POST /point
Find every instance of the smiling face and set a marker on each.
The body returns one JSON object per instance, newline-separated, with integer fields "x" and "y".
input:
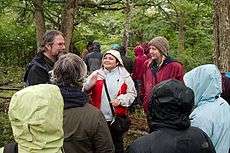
{"x": 109, "y": 62}
{"x": 56, "y": 48}
{"x": 155, "y": 54}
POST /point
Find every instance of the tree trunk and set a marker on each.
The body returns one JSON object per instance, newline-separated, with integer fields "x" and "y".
{"x": 39, "y": 20}
{"x": 68, "y": 21}
{"x": 222, "y": 34}
{"x": 127, "y": 24}
{"x": 181, "y": 42}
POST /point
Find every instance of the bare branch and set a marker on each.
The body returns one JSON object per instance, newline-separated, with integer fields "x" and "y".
{"x": 12, "y": 88}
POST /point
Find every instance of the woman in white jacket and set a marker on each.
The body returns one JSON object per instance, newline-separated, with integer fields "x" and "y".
{"x": 120, "y": 87}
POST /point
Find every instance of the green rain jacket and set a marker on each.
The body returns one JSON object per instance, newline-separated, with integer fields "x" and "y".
{"x": 36, "y": 116}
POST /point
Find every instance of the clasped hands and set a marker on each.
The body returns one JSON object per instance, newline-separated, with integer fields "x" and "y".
{"x": 115, "y": 102}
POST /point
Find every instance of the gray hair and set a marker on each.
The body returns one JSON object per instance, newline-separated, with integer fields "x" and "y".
{"x": 48, "y": 38}
{"x": 69, "y": 69}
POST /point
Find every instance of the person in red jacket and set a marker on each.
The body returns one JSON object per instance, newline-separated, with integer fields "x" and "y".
{"x": 226, "y": 86}
{"x": 138, "y": 71}
{"x": 159, "y": 67}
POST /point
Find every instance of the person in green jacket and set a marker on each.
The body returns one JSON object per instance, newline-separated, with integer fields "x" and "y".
{"x": 85, "y": 128}
{"x": 36, "y": 117}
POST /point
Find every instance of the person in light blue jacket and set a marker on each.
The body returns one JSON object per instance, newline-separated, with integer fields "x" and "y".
{"x": 211, "y": 113}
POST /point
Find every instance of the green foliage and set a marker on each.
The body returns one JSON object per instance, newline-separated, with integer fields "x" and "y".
{"x": 17, "y": 42}
{"x": 163, "y": 19}
{"x": 194, "y": 58}
{"x": 13, "y": 76}
{"x": 5, "y": 129}
{"x": 102, "y": 26}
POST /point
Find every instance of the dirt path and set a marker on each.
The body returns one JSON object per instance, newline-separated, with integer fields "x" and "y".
{"x": 138, "y": 126}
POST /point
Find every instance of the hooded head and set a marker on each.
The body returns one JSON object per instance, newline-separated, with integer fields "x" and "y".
{"x": 139, "y": 51}
{"x": 89, "y": 46}
{"x": 119, "y": 48}
{"x": 205, "y": 81}
{"x": 96, "y": 47}
{"x": 161, "y": 43}
{"x": 170, "y": 104}
{"x": 36, "y": 116}
{"x": 115, "y": 47}
{"x": 116, "y": 54}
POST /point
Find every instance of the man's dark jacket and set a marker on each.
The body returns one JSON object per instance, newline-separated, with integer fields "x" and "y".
{"x": 128, "y": 63}
{"x": 93, "y": 61}
{"x": 168, "y": 140}
{"x": 37, "y": 71}
{"x": 170, "y": 105}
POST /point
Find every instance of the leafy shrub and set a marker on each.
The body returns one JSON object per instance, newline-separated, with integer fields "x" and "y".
{"x": 18, "y": 43}
{"x": 5, "y": 130}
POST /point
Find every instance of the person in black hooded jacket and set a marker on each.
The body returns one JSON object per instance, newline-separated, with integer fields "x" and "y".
{"x": 85, "y": 128}
{"x": 93, "y": 59}
{"x": 170, "y": 104}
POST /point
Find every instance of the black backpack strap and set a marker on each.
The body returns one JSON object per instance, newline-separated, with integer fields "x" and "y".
{"x": 108, "y": 97}
{"x": 11, "y": 148}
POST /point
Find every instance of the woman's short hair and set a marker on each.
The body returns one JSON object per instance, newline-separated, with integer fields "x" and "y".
{"x": 69, "y": 69}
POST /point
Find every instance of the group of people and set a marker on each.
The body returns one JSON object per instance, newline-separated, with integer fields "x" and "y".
{"x": 64, "y": 110}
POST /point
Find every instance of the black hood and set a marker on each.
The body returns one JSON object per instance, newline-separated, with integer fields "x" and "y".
{"x": 73, "y": 96}
{"x": 171, "y": 103}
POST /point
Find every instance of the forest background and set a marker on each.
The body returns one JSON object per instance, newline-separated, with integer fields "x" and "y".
{"x": 197, "y": 30}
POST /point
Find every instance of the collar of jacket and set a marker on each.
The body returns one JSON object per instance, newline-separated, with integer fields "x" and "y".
{"x": 73, "y": 96}
{"x": 154, "y": 66}
{"x": 46, "y": 59}
{"x": 123, "y": 73}
{"x": 176, "y": 124}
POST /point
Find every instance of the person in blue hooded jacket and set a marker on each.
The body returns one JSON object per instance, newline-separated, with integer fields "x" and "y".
{"x": 211, "y": 113}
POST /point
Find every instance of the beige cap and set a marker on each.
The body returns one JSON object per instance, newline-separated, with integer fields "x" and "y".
{"x": 116, "y": 54}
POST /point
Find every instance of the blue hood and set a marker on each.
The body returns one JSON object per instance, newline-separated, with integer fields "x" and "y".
{"x": 205, "y": 81}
